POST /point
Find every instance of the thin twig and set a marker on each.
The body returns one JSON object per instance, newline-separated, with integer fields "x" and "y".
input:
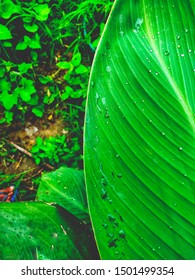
{"x": 28, "y": 153}
{"x": 21, "y": 149}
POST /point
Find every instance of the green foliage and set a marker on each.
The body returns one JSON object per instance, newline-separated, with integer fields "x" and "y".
{"x": 65, "y": 187}
{"x": 56, "y": 151}
{"x": 76, "y": 77}
{"x": 46, "y": 231}
{"x": 31, "y": 33}
{"x": 139, "y": 149}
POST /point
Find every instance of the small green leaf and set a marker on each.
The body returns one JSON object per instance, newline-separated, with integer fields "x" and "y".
{"x": 8, "y": 8}
{"x": 24, "y": 67}
{"x": 31, "y": 27}
{"x": 21, "y": 46}
{"x": 35, "y": 42}
{"x": 5, "y": 85}
{"x": 9, "y": 116}
{"x": 76, "y": 60}
{"x": 7, "y": 44}
{"x": 81, "y": 69}
{"x": 42, "y": 12}
{"x": 38, "y": 111}
{"x": 4, "y": 33}
{"x": 64, "y": 64}
{"x": 2, "y": 72}
{"x": 8, "y": 100}
{"x": 45, "y": 79}
{"x": 26, "y": 90}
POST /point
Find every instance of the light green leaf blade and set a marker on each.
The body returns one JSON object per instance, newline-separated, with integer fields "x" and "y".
{"x": 65, "y": 187}
{"x": 5, "y": 34}
{"x": 36, "y": 230}
{"x": 140, "y": 133}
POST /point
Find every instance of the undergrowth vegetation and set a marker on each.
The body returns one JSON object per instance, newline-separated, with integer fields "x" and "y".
{"x": 46, "y": 51}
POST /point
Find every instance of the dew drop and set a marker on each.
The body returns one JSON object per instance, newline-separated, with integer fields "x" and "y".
{"x": 153, "y": 249}
{"x": 182, "y": 55}
{"x": 150, "y": 70}
{"x": 178, "y": 46}
{"x": 138, "y": 24}
{"x": 151, "y": 50}
{"x": 166, "y": 53}
{"x": 150, "y": 121}
{"x": 117, "y": 155}
{"x": 156, "y": 73}
{"x": 119, "y": 175}
{"x": 103, "y": 194}
{"x": 111, "y": 218}
{"x": 190, "y": 51}
{"x": 186, "y": 30}
{"x": 108, "y": 69}
{"x": 121, "y": 32}
{"x": 163, "y": 133}
{"x": 106, "y": 115}
{"x": 105, "y": 225}
{"x": 170, "y": 227}
{"x": 126, "y": 83}
{"x": 158, "y": 33}
{"x": 178, "y": 37}
{"x": 122, "y": 234}
{"x": 180, "y": 148}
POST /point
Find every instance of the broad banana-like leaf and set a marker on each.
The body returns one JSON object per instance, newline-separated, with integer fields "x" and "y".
{"x": 36, "y": 230}
{"x": 140, "y": 132}
{"x": 65, "y": 187}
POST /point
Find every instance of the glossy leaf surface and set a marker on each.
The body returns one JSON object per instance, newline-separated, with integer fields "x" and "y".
{"x": 65, "y": 187}
{"x": 140, "y": 132}
{"x": 36, "y": 230}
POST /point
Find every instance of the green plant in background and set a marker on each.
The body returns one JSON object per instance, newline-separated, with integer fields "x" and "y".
{"x": 44, "y": 27}
{"x": 44, "y": 230}
{"x": 56, "y": 151}
{"x": 76, "y": 77}
{"x": 139, "y": 149}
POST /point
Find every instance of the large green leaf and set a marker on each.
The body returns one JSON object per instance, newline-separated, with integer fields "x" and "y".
{"x": 65, "y": 187}
{"x": 36, "y": 230}
{"x": 140, "y": 132}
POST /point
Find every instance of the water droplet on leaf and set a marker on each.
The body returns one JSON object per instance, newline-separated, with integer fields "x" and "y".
{"x": 108, "y": 69}
{"x": 122, "y": 234}
{"x": 166, "y": 53}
